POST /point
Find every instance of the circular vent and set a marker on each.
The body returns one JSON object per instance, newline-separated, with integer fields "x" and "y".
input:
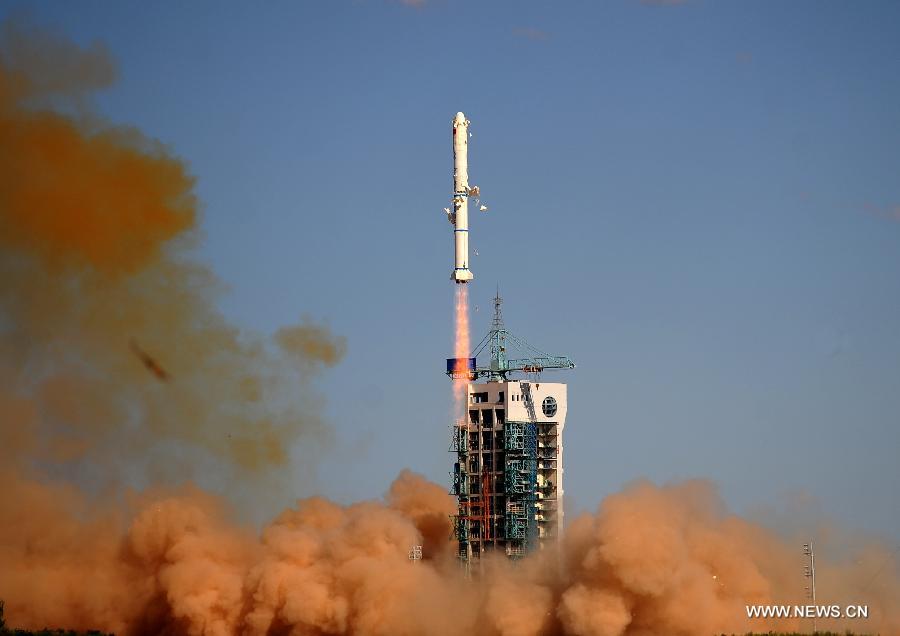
{"x": 548, "y": 406}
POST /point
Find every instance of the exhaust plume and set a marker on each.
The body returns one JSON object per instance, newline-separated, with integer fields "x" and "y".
{"x": 461, "y": 350}
{"x": 651, "y": 560}
{"x": 95, "y": 226}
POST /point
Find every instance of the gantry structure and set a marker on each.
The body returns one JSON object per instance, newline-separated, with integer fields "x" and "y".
{"x": 508, "y": 470}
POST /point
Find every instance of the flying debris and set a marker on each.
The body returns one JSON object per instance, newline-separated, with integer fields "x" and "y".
{"x": 149, "y": 362}
{"x": 483, "y": 208}
{"x": 476, "y": 252}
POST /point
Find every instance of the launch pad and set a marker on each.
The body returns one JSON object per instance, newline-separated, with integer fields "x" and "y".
{"x": 508, "y": 472}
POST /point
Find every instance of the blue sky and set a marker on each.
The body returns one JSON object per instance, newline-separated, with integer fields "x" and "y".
{"x": 698, "y": 202}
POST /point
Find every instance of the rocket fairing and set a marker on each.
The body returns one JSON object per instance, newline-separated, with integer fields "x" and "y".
{"x": 459, "y": 217}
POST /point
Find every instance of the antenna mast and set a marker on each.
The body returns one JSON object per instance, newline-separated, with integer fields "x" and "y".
{"x": 498, "y": 340}
{"x": 809, "y": 571}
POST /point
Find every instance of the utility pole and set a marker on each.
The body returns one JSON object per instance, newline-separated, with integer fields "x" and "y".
{"x": 809, "y": 571}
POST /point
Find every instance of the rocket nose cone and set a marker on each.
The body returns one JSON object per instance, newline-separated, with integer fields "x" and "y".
{"x": 460, "y": 118}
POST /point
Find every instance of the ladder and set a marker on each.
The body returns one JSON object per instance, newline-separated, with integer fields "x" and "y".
{"x": 529, "y": 403}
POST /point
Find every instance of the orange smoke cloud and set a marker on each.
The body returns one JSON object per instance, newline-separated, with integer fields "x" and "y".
{"x": 652, "y": 560}
{"x": 106, "y": 198}
{"x": 97, "y": 200}
{"x": 95, "y": 222}
{"x": 311, "y": 343}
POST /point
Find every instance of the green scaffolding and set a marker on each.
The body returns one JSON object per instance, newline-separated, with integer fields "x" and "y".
{"x": 520, "y": 485}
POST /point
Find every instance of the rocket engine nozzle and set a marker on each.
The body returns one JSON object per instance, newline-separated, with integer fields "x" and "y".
{"x": 461, "y": 276}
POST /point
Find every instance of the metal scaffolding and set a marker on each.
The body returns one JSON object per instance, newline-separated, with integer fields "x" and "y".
{"x": 505, "y": 471}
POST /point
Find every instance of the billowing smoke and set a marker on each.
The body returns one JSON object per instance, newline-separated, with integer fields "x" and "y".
{"x": 650, "y": 561}
{"x": 120, "y": 384}
{"x": 109, "y": 333}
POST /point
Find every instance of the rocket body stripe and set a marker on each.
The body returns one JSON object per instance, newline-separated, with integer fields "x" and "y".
{"x": 460, "y": 137}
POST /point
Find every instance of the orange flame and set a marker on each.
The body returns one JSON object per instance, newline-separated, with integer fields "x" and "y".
{"x": 461, "y": 351}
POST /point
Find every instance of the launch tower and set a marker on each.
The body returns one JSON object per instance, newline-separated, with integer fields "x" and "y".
{"x": 508, "y": 474}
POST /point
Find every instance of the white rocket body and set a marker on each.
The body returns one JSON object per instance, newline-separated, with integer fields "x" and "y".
{"x": 460, "y": 215}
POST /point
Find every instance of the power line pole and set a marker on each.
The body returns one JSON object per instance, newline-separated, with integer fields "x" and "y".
{"x": 809, "y": 571}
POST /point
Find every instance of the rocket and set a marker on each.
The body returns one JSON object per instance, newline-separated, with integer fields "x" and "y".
{"x": 459, "y": 217}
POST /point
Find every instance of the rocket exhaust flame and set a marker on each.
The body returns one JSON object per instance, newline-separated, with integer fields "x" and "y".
{"x": 461, "y": 349}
